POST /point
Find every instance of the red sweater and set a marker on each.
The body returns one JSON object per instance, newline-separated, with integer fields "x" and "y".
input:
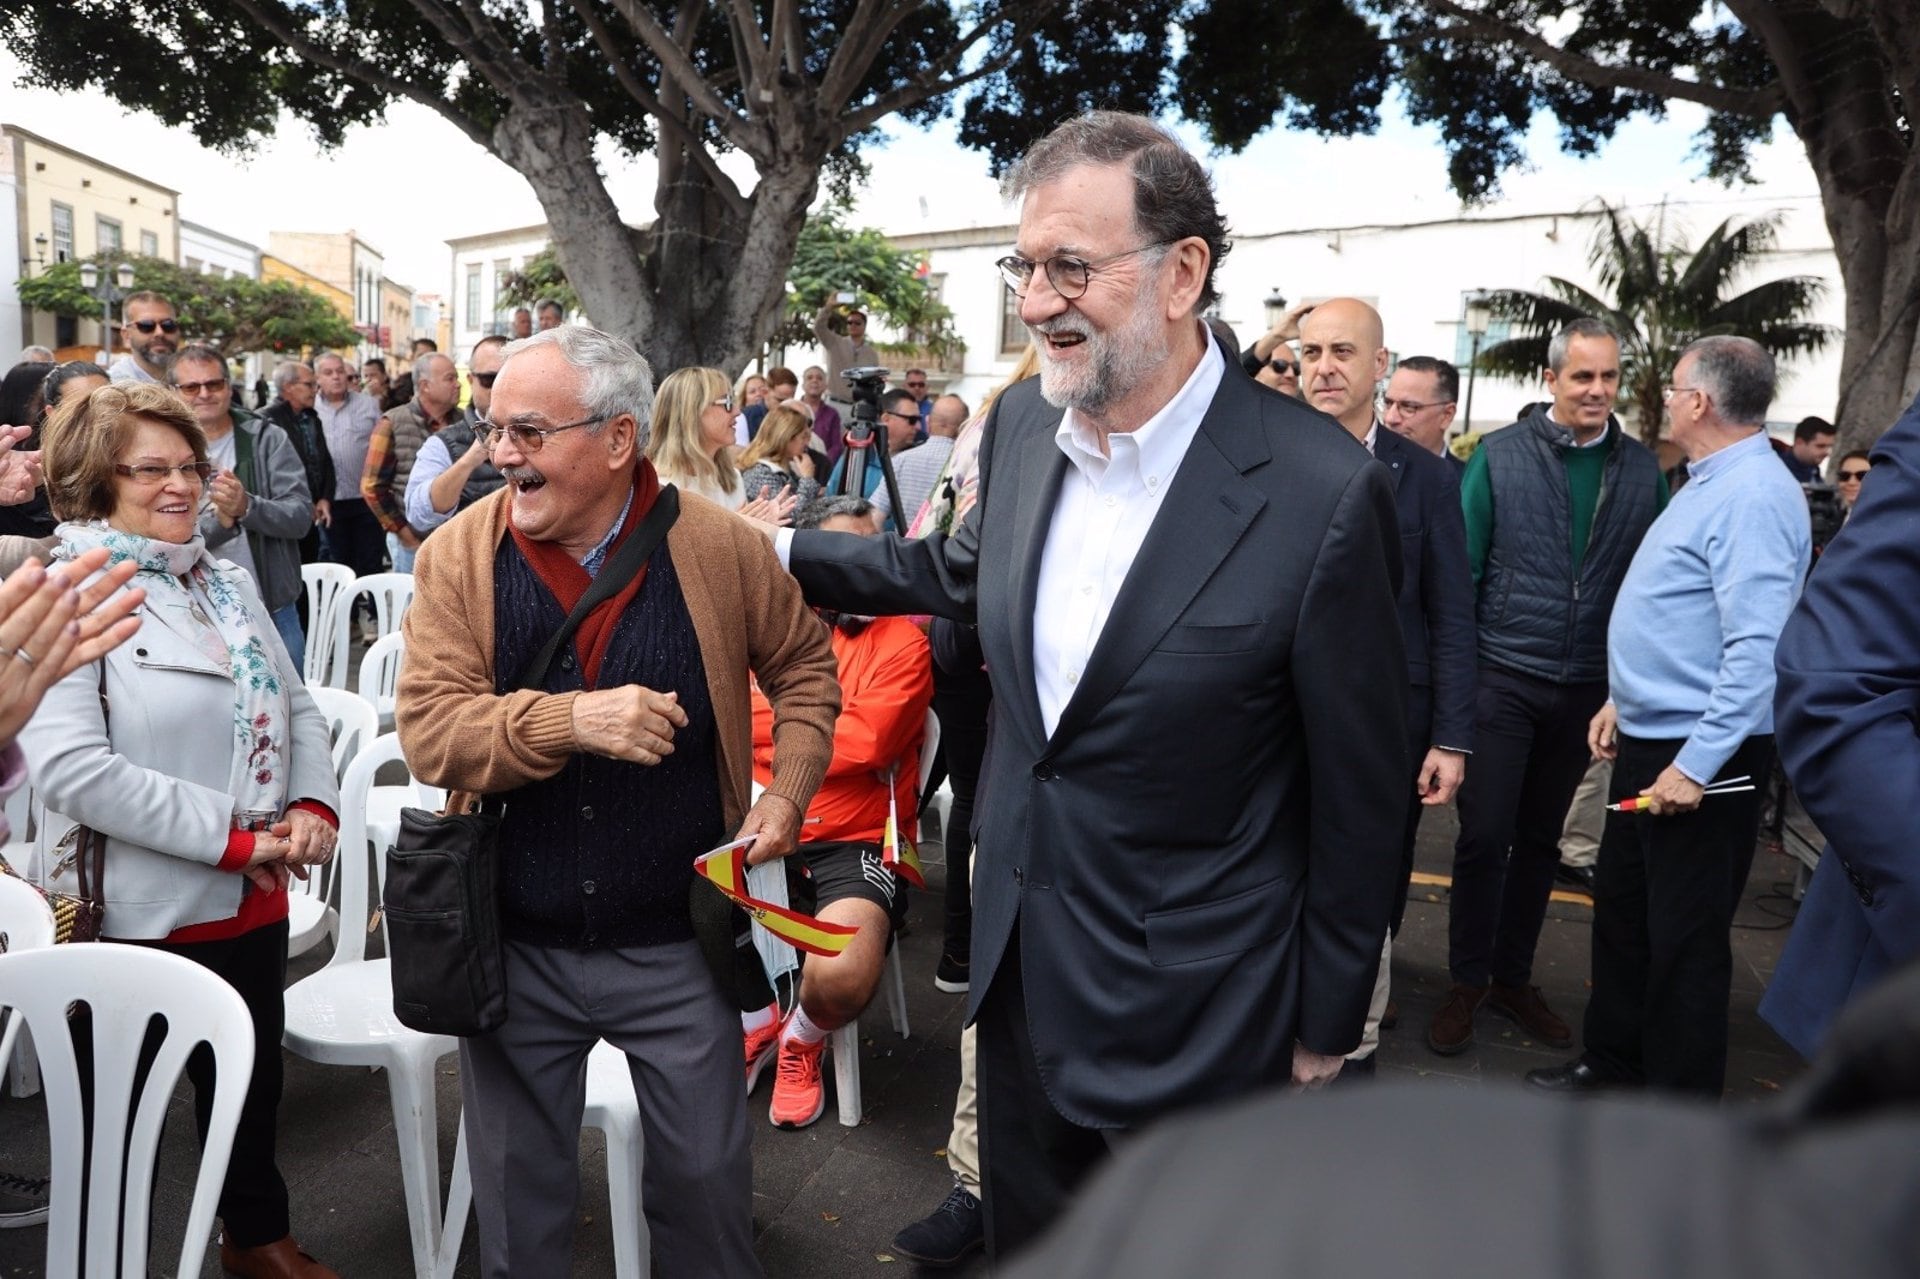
{"x": 257, "y": 909}
{"x": 886, "y": 686}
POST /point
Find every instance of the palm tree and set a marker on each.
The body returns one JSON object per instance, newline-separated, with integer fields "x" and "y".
{"x": 1664, "y": 298}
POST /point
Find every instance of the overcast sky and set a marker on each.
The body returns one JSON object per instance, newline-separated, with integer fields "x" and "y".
{"x": 378, "y": 184}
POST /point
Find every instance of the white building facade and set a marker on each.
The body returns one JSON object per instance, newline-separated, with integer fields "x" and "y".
{"x": 218, "y": 254}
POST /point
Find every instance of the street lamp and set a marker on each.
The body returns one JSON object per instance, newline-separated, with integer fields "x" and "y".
{"x": 1479, "y": 315}
{"x": 109, "y": 292}
{"x": 1276, "y": 309}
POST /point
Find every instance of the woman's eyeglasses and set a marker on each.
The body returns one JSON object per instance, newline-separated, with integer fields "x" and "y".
{"x": 152, "y": 475}
{"x": 1849, "y": 476}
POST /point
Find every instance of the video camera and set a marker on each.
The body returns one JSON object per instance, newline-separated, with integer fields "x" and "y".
{"x": 1825, "y": 512}
{"x": 866, "y": 443}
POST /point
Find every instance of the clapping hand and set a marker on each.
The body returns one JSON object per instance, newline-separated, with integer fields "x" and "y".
{"x": 228, "y": 497}
{"x": 49, "y": 627}
{"x": 771, "y": 510}
{"x": 20, "y": 475}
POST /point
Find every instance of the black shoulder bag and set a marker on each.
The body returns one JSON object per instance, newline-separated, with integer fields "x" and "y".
{"x": 439, "y": 899}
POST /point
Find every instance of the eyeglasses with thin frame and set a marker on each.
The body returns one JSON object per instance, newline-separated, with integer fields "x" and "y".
{"x": 1409, "y": 406}
{"x": 1069, "y": 274}
{"x": 724, "y": 402}
{"x": 153, "y": 475}
{"x": 1672, "y": 391}
{"x": 191, "y": 389}
{"x": 148, "y": 326}
{"x": 526, "y": 437}
{"x": 1847, "y": 476}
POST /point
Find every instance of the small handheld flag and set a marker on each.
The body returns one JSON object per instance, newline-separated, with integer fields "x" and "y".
{"x": 897, "y": 853}
{"x": 1641, "y": 803}
{"x": 726, "y": 869}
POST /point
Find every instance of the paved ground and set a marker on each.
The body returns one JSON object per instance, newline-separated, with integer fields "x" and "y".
{"x": 828, "y": 1200}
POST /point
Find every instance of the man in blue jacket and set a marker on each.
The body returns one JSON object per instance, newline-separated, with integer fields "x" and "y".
{"x": 1849, "y": 692}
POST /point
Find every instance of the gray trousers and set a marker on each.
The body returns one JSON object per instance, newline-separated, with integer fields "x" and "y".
{"x": 524, "y": 1087}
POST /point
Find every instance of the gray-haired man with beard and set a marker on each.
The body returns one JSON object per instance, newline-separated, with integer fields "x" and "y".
{"x": 1163, "y": 552}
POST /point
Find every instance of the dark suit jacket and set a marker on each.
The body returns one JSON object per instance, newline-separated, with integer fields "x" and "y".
{"x": 1845, "y": 712}
{"x": 1436, "y": 586}
{"x": 1200, "y": 859}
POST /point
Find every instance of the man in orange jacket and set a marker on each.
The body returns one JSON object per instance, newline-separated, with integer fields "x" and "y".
{"x": 886, "y": 686}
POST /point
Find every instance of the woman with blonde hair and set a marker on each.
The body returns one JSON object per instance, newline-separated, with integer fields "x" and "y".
{"x": 691, "y": 443}
{"x": 777, "y": 462}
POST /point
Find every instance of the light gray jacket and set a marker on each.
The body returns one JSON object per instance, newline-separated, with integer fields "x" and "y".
{"x": 152, "y": 775}
{"x": 279, "y": 514}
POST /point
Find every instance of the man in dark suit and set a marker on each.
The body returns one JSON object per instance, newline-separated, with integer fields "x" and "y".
{"x": 1196, "y": 777}
{"x": 1343, "y": 356}
{"x": 1420, "y": 402}
{"x": 1849, "y": 681}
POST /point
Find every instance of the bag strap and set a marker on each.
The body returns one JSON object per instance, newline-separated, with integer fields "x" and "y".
{"x": 88, "y": 842}
{"x": 610, "y": 581}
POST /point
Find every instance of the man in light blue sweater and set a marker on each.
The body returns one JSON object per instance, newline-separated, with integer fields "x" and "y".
{"x": 1690, "y": 671}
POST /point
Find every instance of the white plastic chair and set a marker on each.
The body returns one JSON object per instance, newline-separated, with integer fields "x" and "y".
{"x": 21, "y": 1074}
{"x": 768, "y": 882}
{"x": 352, "y": 723}
{"x": 26, "y": 923}
{"x": 127, "y": 987}
{"x": 391, "y": 592}
{"x": 380, "y": 674}
{"x": 343, "y": 1014}
{"x": 328, "y": 594}
{"x": 615, "y": 1111}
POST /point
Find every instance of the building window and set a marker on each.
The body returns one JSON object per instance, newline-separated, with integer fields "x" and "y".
{"x": 195, "y": 264}
{"x": 473, "y": 295}
{"x": 149, "y": 244}
{"x": 1013, "y": 333}
{"x": 62, "y": 233}
{"x": 107, "y": 232}
{"x": 501, "y": 269}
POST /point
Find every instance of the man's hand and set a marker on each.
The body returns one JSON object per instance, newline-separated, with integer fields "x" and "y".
{"x": 1673, "y": 793}
{"x": 323, "y": 513}
{"x": 630, "y": 722}
{"x": 1440, "y": 776}
{"x": 229, "y": 499}
{"x": 1286, "y": 331}
{"x": 776, "y": 820}
{"x": 1603, "y": 734}
{"x": 1312, "y": 1069}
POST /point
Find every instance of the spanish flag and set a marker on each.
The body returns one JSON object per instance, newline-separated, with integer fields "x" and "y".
{"x": 896, "y": 853}
{"x": 726, "y": 869}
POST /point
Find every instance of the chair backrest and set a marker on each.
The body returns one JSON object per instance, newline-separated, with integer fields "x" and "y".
{"x": 356, "y": 854}
{"x": 328, "y": 587}
{"x": 391, "y": 592}
{"x": 135, "y": 995}
{"x": 380, "y": 673}
{"x": 26, "y": 923}
{"x": 352, "y": 723}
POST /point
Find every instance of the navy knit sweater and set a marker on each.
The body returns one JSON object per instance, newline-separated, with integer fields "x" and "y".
{"x": 601, "y": 854}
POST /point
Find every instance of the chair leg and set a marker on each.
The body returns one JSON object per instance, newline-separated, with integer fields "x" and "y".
{"x": 453, "y": 1228}
{"x": 897, "y": 993}
{"x": 415, "y": 1124}
{"x": 846, "y": 1072}
{"x": 632, "y": 1246}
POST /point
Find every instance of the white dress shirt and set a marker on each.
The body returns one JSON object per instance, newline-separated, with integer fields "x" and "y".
{"x": 1106, "y": 505}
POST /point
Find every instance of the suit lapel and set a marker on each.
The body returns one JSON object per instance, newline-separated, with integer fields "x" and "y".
{"x": 1207, "y": 510}
{"x": 1041, "y": 468}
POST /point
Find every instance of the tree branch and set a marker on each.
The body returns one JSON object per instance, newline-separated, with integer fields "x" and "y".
{"x": 751, "y": 41}
{"x": 860, "y": 42}
{"x": 556, "y": 53}
{"x": 1762, "y": 103}
{"x": 273, "y": 19}
{"x": 1027, "y": 19}
{"x": 675, "y": 63}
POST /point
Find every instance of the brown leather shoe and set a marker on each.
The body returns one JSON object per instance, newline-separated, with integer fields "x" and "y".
{"x": 1452, "y": 1030}
{"x": 1391, "y": 1016}
{"x": 1523, "y": 1004}
{"x": 279, "y": 1260}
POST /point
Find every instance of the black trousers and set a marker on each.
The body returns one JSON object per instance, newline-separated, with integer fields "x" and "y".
{"x": 1419, "y": 742}
{"x": 355, "y": 538}
{"x": 961, "y": 702}
{"x": 1664, "y": 893}
{"x": 253, "y": 1199}
{"x": 1032, "y": 1159}
{"x": 1529, "y": 754}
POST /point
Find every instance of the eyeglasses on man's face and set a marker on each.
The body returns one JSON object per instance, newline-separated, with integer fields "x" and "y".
{"x": 153, "y": 475}
{"x": 528, "y": 437}
{"x": 1409, "y": 407}
{"x": 163, "y": 326}
{"x": 1285, "y": 366}
{"x": 209, "y": 387}
{"x": 1069, "y": 274}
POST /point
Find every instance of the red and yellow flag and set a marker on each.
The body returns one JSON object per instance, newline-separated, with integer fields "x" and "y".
{"x": 726, "y": 869}
{"x": 896, "y": 852}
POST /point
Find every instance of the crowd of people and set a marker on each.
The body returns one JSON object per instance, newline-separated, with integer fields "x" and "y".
{"x": 1274, "y": 557}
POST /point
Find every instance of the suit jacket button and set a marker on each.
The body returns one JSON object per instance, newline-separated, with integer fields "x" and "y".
{"x": 1044, "y": 772}
{"x": 139, "y": 652}
{"x": 587, "y": 888}
{"x": 566, "y": 663}
{"x": 1019, "y": 876}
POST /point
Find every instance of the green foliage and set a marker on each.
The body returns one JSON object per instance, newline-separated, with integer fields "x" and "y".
{"x": 832, "y": 257}
{"x": 1663, "y": 296}
{"x": 233, "y": 313}
{"x": 542, "y": 277}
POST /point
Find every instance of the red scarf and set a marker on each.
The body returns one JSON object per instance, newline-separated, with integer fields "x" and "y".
{"x": 563, "y": 576}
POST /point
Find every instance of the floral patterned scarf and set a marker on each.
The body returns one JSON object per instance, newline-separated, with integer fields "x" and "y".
{"x": 197, "y": 598}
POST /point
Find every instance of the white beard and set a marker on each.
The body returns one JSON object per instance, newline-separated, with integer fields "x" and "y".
{"x": 1113, "y": 361}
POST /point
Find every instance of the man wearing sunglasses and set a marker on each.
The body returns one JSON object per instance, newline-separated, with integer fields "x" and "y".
{"x": 452, "y": 472}
{"x": 153, "y": 335}
{"x": 1184, "y": 585}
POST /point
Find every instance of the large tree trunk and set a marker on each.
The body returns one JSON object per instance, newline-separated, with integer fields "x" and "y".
{"x": 1837, "y": 71}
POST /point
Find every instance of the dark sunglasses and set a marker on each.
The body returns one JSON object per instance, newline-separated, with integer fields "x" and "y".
{"x": 1285, "y": 366}
{"x": 165, "y": 326}
{"x": 1854, "y": 475}
{"x": 485, "y": 380}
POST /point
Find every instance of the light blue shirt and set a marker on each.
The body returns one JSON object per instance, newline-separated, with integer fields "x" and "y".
{"x": 429, "y": 464}
{"x": 1690, "y": 644}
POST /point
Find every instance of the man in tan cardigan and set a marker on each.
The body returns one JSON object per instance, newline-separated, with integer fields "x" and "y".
{"x": 631, "y": 758}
